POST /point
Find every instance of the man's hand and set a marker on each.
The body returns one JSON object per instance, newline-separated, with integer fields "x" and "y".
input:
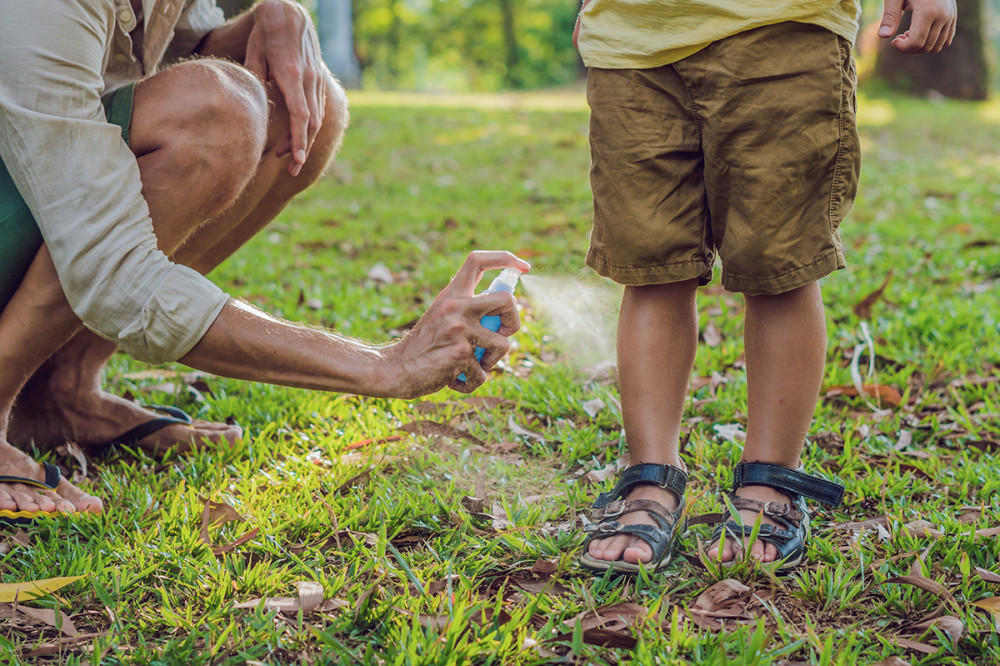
{"x": 441, "y": 345}
{"x": 932, "y": 26}
{"x": 283, "y": 49}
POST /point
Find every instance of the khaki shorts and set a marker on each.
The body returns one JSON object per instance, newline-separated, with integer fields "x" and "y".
{"x": 748, "y": 148}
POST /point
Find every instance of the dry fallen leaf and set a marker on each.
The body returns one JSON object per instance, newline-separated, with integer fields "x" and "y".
{"x": 593, "y": 407}
{"x": 992, "y": 605}
{"x": 886, "y": 394}
{"x": 33, "y": 588}
{"x": 523, "y": 432}
{"x": 987, "y": 575}
{"x": 863, "y": 309}
{"x": 893, "y": 661}
{"x": 309, "y": 601}
{"x": 48, "y": 616}
{"x": 949, "y": 624}
{"x": 433, "y": 428}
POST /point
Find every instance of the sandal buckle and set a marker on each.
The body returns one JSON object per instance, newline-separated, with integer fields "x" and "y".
{"x": 776, "y": 509}
{"x": 613, "y": 526}
{"x": 614, "y": 509}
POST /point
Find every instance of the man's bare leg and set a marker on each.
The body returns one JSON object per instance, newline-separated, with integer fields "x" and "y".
{"x": 64, "y": 399}
{"x": 785, "y": 341}
{"x": 657, "y": 341}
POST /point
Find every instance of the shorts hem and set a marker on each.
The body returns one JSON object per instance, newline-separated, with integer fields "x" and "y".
{"x": 787, "y": 281}
{"x": 640, "y": 276}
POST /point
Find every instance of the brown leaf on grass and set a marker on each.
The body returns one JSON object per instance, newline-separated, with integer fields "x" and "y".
{"x": 72, "y": 450}
{"x": 885, "y": 394}
{"x": 992, "y": 606}
{"x": 429, "y": 428}
{"x": 923, "y": 528}
{"x": 356, "y": 480}
{"x": 216, "y": 513}
{"x": 926, "y": 584}
{"x": 949, "y": 624}
{"x": 593, "y": 407}
{"x": 233, "y": 545}
{"x": 863, "y": 308}
{"x": 22, "y": 538}
{"x": 522, "y": 431}
{"x": 985, "y": 445}
{"x": 723, "y": 601}
{"x": 711, "y": 335}
{"x": 488, "y": 403}
{"x": 336, "y": 540}
{"x": 916, "y": 646}
{"x": 856, "y": 526}
{"x": 598, "y": 476}
{"x": 970, "y": 514}
{"x": 48, "y": 616}
{"x": 607, "y": 626}
{"x": 435, "y": 587}
{"x": 987, "y": 576}
{"x": 987, "y": 532}
{"x": 60, "y": 646}
{"x": 893, "y": 661}
{"x": 829, "y": 441}
{"x": 309, "y": 601}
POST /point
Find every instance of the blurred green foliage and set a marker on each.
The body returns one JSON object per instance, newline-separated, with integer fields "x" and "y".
{"x": 478, "y": 45}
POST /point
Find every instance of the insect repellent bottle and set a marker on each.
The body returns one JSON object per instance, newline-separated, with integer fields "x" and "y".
{"x": 506, "y": 281}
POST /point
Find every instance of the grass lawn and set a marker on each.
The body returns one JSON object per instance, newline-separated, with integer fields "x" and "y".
{"x": 445, "y": 530}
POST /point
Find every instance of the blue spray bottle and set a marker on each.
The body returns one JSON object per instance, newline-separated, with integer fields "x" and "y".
{"x": 506, "y": 281}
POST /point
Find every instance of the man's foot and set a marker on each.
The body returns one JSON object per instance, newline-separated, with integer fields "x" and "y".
{"x": 67, "y": 498}
{"x": 50, "y": 418}
{"x": 760, "y": 550}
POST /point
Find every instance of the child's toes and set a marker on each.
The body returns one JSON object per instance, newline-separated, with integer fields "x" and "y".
{"x": 639, "y": 552}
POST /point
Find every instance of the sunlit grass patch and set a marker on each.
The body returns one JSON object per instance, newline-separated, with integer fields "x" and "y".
{"x": 445, "y": 530}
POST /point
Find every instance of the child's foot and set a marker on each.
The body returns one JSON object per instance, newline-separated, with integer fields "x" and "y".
{"x": 635, "y": 524}
{"x": 760, "y": 550}
{"x": 633, "y": 549}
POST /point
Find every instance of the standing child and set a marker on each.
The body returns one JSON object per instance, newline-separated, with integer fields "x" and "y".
{"x": 727, "y": 128}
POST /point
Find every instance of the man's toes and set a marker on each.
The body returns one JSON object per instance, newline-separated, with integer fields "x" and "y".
{"x": 770, "y": 553}
{"x": 757, "y": 551}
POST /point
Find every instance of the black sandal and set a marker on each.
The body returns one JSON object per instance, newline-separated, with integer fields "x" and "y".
{"x": 611, "y": 505}
{"x": 789, "y": 539}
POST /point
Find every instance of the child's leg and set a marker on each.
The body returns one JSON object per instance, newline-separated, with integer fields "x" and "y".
{"x": 657, "y": 339}
{"x": 785, "y": 341}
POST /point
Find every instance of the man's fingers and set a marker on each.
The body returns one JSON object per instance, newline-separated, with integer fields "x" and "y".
{"x": 892, "y": 12}
{"x": 480, "y": 261}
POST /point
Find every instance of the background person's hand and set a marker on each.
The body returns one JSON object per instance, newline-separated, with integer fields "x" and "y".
{"x": 932, "y": 26}
{"x": 283, "y": 48}
{"x": 441, "y": 345}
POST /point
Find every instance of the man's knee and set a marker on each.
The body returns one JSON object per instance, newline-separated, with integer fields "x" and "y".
{"x": 211, "y": 115}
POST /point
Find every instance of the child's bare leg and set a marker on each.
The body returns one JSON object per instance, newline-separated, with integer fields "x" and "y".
{"x": 785, "y": 341}
{"x": 657, "y": 340}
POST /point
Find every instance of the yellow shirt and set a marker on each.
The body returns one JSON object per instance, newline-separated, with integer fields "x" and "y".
{"x": 641, "y": 34}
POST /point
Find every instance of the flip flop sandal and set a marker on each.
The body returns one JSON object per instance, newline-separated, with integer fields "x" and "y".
{"x": 610, "y": 506}
{"x": 51, "y": 482}
{"x": 135, "y": 435}
{"x": 789, "y": 538}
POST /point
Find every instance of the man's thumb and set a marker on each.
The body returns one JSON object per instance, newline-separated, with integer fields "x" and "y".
{"x": 891, "y": 13}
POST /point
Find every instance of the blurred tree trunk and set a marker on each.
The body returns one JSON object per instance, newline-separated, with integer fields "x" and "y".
{"x": 511, "y": 78}
{"x": 960, "y": 71}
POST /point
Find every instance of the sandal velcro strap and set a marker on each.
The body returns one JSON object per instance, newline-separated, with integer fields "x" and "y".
{"x": 788, "y": 480}
{"x": 645, "y": 474}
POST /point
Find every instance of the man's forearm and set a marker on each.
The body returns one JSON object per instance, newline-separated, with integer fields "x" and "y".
{"x": 245, "y": 343}
{"x": 230, "y": 39}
